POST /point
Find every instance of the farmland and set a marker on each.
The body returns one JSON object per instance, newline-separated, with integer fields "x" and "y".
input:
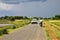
{"x": 52, "y": 28}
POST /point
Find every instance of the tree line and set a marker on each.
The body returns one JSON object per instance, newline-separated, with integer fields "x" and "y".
{"x": 12, "y": 18}
{"x": 56, "y": 17}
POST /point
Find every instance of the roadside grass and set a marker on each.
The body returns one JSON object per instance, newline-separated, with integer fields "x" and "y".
{"x": 48, "y": 36}
{"x": 54, "y": 20}
{"x": 4, "y": 21}
{"x": 56, "y": 23}
{"x": 13, "y": 28}
{"x": 54, "y": 29}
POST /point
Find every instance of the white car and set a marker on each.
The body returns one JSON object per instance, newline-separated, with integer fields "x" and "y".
{"x": 34, "y": 21}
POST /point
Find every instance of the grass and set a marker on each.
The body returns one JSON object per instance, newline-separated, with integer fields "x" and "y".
{"x": 17, "y": 24}
{"x": 53, "y": 28}
{"x": 56, "y": 23}
{"x": 48, "y": 35}
{"x": 55, "y": 31}
{"x": 4, "y": 21}
{"x": 14, "y": 30}
{"x": 56, "y": 28}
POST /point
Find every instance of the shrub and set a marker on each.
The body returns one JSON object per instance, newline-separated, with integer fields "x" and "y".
{"x": 1, "y": 32}
{"x": 5, "y": 31}
{"x": 14, "y": 27}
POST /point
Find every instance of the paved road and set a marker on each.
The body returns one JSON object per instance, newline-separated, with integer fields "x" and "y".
{"x": 31, "y": 32}
{"x": 2, "y": 25}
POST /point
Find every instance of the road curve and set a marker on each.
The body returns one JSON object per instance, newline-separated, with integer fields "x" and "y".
{"x": 31, "y": 32}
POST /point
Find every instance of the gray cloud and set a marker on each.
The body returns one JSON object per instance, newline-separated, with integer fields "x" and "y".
{"x": 38, "y": 0}
{"x": 46, "y": 9}
{"x": 10, "y": 1}
{"x": 18, "y": 1}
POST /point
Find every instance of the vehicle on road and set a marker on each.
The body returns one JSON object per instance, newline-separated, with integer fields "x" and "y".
{"x": 41, "y": 22}
{"x": 34, "y": 21}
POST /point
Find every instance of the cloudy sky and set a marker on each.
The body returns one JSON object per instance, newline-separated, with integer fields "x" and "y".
{"x": 43, "y": 8}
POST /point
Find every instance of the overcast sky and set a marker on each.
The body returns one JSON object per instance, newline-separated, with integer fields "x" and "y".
{"x": 43, "y": 8}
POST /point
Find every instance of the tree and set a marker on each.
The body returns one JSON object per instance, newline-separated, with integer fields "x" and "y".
{"x": 6, "y": 17}
{"x": 11, "y": 18}
{"x": 36, "y": 18}
{"x": 56, "y": 17}
{"x": 25, "y": 17}
{"x": 18, "y": 17}
{"x": 40, "y": 17}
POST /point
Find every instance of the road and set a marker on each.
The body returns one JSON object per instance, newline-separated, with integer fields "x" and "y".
{"x": 3, "y": 25}
{"x": 30, "y": 32}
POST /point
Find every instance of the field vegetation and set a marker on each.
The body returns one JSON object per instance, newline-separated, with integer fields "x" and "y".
{"x": 17, "y": 23}
{"x": 52, "y": 27}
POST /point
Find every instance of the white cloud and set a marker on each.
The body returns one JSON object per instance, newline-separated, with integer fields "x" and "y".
{"x": 4, "y": 6}
{"x": 10, "y": 4}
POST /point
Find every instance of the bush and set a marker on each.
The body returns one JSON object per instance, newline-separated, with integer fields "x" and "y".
{"x": 5, "y": 31}
{"x": 14, "y": 27}
{"x": 1, "y": 32}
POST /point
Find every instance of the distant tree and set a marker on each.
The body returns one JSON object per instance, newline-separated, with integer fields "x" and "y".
{"x": 11, "y": 18}
{"x": 45, "y": 18}
{"x": 18, "y": 17}
{"x": 56, "y": 17}
{"x": 21, "y": 17}
{"x": 36, "y": 18}
{"x": 25, "y": 17}
{"x": 40, "y": 17}
{"x": 1, "y": 17}
{"x": 6, "y": 17}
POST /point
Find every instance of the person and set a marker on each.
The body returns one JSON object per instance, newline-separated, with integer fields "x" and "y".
{"x": 41, "y": 23}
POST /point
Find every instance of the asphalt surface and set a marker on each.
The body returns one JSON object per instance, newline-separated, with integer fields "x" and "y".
{"x": 30, "y": 32}
{"x": 2, "y": 25}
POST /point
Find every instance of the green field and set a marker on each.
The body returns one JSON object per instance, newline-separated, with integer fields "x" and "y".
{"x": 17, "y": 24}
{"x": 56, "y": 23}
{"x": 54, "y": 26}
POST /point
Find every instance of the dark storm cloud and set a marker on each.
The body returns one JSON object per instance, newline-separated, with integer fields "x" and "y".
{"x": 18, "y": 1}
